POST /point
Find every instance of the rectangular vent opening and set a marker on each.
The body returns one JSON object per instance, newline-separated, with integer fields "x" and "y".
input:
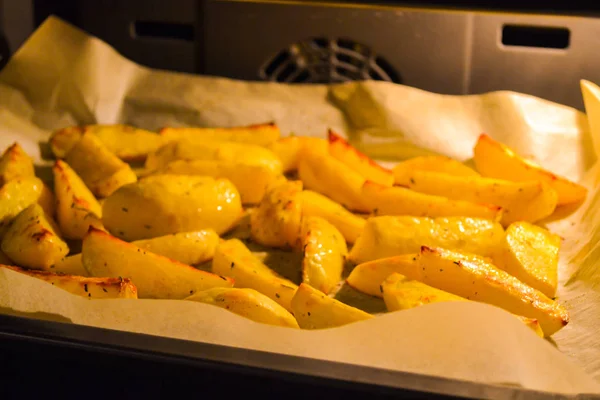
{"x": 163, "y": 30}
{"x": 536, "y": 36}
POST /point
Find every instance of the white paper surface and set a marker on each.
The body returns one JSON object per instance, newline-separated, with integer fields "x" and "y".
{"x": 63, "y": 77}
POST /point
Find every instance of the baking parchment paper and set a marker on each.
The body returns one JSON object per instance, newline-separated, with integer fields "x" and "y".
{"x": 62, "y": 76}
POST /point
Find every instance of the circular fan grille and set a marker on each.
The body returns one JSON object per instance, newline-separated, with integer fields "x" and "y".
{"x": 326, "y": 60}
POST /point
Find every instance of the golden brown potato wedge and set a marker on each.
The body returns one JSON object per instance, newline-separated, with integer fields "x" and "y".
{"x": 32, "y": 240}
{"x": 276, "y": 221}
{"x": 521, "y": 201}
{"x": 258, "y": 134}
{"x": 70, "y": 265}
{"x": 496, "y": 160}
{"x": 315, "y": 310}
{"x": 531, "y": 255}
{"x": 77, "y": 208}
{"x": 126, "y": 142}
{"x": 15, "y": 196}
{"x": 367, "y": 277}
{"x": 91, "y": 288}
{"x": 230, "y": 152}
{"x": 186, "y": 247}
{"x": 164, "y": 204}
{"x": 475, "y": 279}
{"x": 233, "y": 259}
{"x": 15, "y": 163}
{"x": 248, "y": 303}
{"x": 155, "y": 276}
{"x": 392, "y": 236}
{"x": 383, "y": 200}
{"x": 343, "y": 151}
{"x": 101, "y": 171}
{"x": 403, "y": 171}
{"x": 316, "y": 205}
{"x": 288, "y": 149}
{"x": 252, "y": 181}
{"x": 326, "y": 175}
{"x": 325, "y": 251}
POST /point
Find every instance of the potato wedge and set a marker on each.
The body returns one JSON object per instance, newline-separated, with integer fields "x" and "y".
{"x": 367, "y": 277}
{"x": 32, "y": 241}
{"x": 258, "y": 134}
{"x": 521, "y": 201}
{"x": 316, "y": 205}
{"x": 90, "y": 288}
{"x": 403, "y": 171}
{"x": 402, "y": 293}
{"x": 165, "y": 204}
{"x": 252, "y": 181}
{"x": 248, "y": 303}
{"x": 101, "y": 171}
{"x": 392, "y": 236}
{"x": 343, "y": 151}
{"x": 233, "y": 259}
{"x": 276, "y": 221}
{"x": 315, "y": 310}
{"x": 189, "y": 248}
{"x": 383, "y": 200}
{"x": 4, "y": 260}
{"x": 155, "y": 276}
{"x": 47, "y": 201}
{"x": 15, "y": 163}
{"x": 186, "y": 247}
{"x": 325, "y": 251}
{"x": 126, "y": 142}
{"x": 481, "y": 281}
{"x": 77, "y": 208}
{"x": 326, "y": 175}
{"x": 288, "y": 149}
{"x": 230, "y": 152}
{"x": 496, "y": 160}
{"x": 15, "y": 196}
{"x": 531, "y": 255}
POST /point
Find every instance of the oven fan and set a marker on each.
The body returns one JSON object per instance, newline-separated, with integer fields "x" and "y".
{"x": 326, "y": 60}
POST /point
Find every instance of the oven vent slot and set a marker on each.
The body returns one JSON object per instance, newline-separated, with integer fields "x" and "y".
{"x": 327, "y": 60}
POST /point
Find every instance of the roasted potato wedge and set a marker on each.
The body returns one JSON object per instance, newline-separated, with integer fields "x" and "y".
{"x": 315, "y": 310}
{"x": 32, "y": 240}
{"x": 77, "y": 208}
{"x": 47, "y": 201}
{"x": 101, "y": 171}
{"x": 325, "y": 251}
{"x": 4, "y": 260}
{"x": 326, "y": 175}
{"x": 531, "y": 255}
{"x": 392, "y": 236}
{"x": 91, "y": 288}
{"x": 475, "y": 279}
{"x": 367, "y": 277}
{"x": 233, "y": 259}
{"x": 155, "y": 276}
{"x": 317, "y": 205}
{"x": 252, "y": 181}
{"x": 496, "y": 160}
{"x": 15, "y": 196}
{"x": 383, "y": 200}
{"x": 343, "y": 151}
{"x": 15, "y": 163}
{"x": 403, "y": 171}
{"x": 276, "y": 221}
{"x": 402, "y": 293}
{"x": 164, "y": 204}
{"x": 126, "y": 142}
{"x": 521, "y": 201}
{"x": 230, "y": 152}
{"x": 248, "y": 303}
{"x": 186, "y": 247}
{"x": 288, "y": 149}
{"x": 258, "y": 134}
{"x": 70, "y": 265}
